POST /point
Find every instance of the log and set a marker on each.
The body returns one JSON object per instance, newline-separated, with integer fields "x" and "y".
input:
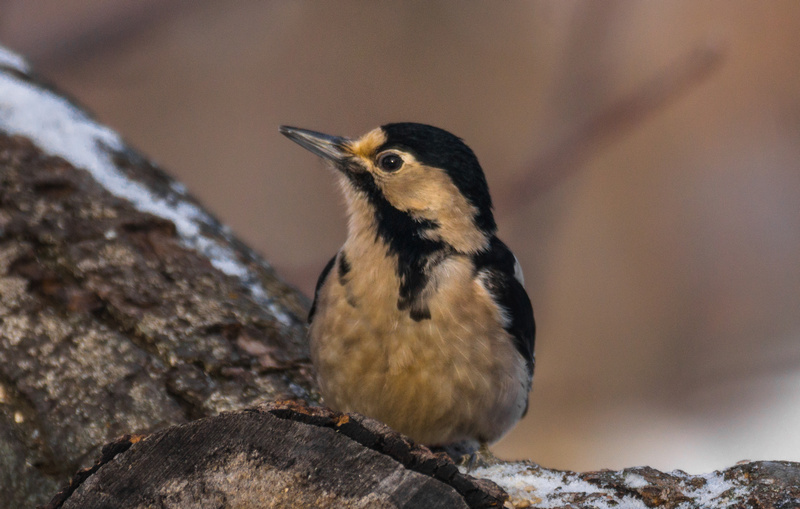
{"x": 276, "y": 456}
{"x": 128, "y": 310}
{"x": 289, "y": 455}
{"x": 126, "y": 307}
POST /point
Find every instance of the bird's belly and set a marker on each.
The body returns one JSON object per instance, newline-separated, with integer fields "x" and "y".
{"x": 453, "y": 377}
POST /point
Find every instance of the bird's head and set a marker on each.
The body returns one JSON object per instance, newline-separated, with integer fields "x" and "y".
{"x": 410, "y": 179}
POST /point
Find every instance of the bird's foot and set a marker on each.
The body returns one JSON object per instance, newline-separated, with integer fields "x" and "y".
{"x": 483, "y": 457}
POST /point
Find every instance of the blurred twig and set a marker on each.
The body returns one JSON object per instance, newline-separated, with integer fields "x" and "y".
{"x": 617, "y": 119}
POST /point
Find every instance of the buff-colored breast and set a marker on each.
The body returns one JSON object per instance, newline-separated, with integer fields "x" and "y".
{"x": 456, "y": 376}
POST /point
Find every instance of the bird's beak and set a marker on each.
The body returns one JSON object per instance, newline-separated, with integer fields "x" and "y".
{"x": 332, "y": 148}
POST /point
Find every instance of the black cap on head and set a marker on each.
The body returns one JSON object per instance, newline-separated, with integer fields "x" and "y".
{"x": 440, "y": 149}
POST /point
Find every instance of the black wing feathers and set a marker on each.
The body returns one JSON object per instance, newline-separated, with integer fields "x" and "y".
{"x": 320, "y": 282}
{"x": 498, "y": 262}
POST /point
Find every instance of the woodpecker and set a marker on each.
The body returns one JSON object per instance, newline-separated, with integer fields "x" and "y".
{"x": 421, "y": 319}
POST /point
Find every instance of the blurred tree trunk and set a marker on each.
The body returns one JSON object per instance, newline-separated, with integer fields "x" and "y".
{"x": 126, "y": 309}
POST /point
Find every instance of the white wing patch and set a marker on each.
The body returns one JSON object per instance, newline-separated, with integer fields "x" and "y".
{"x": 518, "y": 271}
{"x": 483, "y": 280}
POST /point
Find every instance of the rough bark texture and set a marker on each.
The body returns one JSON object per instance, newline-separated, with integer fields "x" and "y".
{"x": 116, "y": 319}
{"x": 289, "y": 455}
{"x": 277, "y": 456}
{"x": 110, "y": 324}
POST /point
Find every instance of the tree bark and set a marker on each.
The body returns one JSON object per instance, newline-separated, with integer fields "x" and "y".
{"x": 276, "y": 456}
{"x": 125, "y": 306}
{"x": 127, "y": 309}
{"x": 289, "y": 455}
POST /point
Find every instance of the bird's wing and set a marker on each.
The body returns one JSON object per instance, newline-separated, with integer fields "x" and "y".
{"x": 502, "y": 277}
{"x": 320, "y": 282}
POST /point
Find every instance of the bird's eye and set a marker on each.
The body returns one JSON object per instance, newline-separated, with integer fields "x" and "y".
{"x": 390, "y": 162}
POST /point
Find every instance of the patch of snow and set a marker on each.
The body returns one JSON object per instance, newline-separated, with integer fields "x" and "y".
{"x": 635, "y": 481}
{"x": 10, "y": 59}
{"x": 178, "y": 187}
{"x": 59, "y": 128}
{"x": 708, "y": 495}
{"x": 548, "y": 489}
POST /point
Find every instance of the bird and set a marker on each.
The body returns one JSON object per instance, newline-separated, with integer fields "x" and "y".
{"x": 421, "y": 319}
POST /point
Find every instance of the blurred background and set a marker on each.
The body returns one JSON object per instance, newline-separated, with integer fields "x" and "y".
{"x": 644, "y": 159}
